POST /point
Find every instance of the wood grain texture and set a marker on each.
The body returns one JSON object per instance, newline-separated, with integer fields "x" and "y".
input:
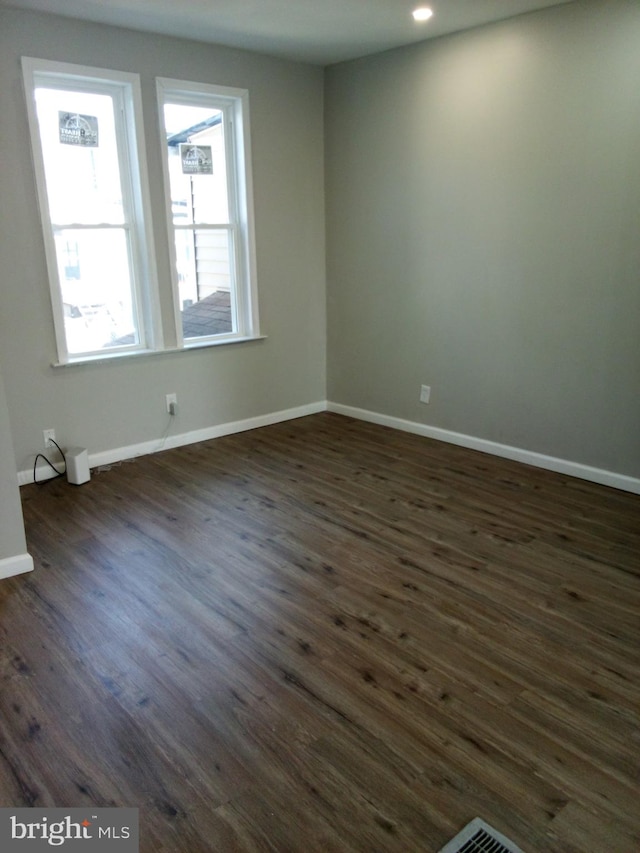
{"x": 326, "y": 635}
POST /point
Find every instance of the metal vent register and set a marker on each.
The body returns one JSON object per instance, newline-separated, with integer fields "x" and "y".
{"x": 479, "y": 837}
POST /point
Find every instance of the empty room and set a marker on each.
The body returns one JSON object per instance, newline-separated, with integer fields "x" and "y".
{"x": 320, "y": 426}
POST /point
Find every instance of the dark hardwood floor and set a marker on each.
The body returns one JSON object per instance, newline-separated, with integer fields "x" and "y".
{"x": 326, "y": 635}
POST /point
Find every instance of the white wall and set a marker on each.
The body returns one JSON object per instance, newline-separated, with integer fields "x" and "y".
{"x": 13, "y": 548}
{"x": 483, "y": 225}
{"x": 122, "y": 404}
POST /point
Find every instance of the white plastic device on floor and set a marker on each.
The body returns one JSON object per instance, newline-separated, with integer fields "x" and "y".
{"x": 77, "y": 460}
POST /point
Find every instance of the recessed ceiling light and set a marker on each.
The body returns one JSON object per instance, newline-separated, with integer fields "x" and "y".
{"x": 422, "y": 14}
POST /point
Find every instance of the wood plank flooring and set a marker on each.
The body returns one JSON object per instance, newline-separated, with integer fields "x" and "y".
{"x": 326, "y": 635}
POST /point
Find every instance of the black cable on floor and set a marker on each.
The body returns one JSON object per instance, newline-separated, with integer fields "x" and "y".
{"x": 50, "y": 464}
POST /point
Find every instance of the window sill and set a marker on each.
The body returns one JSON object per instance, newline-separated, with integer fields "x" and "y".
{"x": 119, "y": 356}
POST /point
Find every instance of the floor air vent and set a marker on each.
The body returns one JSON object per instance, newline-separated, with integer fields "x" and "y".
{"x": 479, "y": 837}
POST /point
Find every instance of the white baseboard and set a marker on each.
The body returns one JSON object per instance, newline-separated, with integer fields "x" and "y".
{"x": 551, "y": 463}
{"x": 118, "y": 454}
{"x": 17, "y": 565}
{"x": 540, "y": 460}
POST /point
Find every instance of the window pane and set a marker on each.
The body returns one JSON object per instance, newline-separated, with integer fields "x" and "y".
{"x": 204, "y": 281}
{"x": 95, "y": 280}
{"x": 78, "y": 135}
{"x": 197, "y": 167}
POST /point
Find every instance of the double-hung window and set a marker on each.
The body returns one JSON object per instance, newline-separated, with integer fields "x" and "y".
{"x": 89, "y": 158}
{"x": 206, "y": 171}
{"x": 88, "y": 140}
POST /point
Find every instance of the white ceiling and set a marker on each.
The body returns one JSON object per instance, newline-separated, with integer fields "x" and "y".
{"x": 316, "y": 31}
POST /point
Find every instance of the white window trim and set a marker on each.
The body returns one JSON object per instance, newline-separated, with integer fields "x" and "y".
{"x": 126, "y": 87}
{"x": 234, "y": 103}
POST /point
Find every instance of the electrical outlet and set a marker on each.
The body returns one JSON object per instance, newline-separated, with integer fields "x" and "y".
{"x": 425, "y": 393}
{"x": 48, "y": 434}
{"x": 172, "y": 403}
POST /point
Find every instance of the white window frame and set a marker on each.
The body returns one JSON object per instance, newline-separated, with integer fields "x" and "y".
{"x": 234, "y": 105}
{"x": 125, "y": 89}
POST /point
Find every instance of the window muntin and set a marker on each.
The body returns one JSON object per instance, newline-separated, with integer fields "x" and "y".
{"x": 91, "y": 197}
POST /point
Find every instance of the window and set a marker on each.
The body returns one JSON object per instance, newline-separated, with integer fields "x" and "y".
{"x": 208, "y": 216}
{"x": 89, "y": 155}
{"x": 87, "y": 140}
